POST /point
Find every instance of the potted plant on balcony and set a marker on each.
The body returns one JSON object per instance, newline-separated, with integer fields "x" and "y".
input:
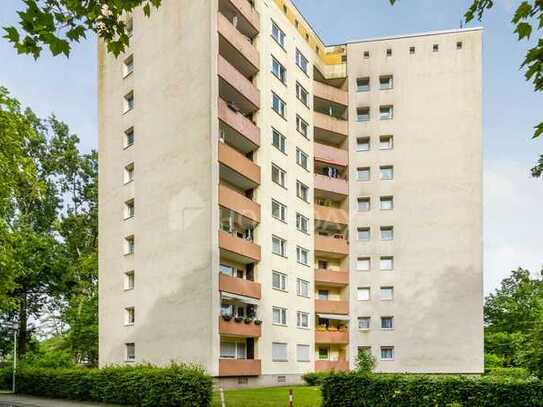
{"x": 258, "y": 322}
{"x": 226, "y": 317}
{"x": 248, "y": 320}
{"x": 238, "y": 319}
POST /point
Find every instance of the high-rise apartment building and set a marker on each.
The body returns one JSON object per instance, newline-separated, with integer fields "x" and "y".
{"x": 270, "y": 205}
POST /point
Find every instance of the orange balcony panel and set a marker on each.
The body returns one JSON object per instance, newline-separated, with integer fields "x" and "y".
{"x": 244, "y": 248}
{"x": 331, "y": 155}
{"x": 334, "y": 185}
{"x": 331, "y": 215}
{"x": 239, "y": 123}
{"x": 239, "y": 286}
{"x": 331, "y": 93}
{"x": 238, "y": 41}
{"x": 331, "y": 245}
{"x": 241, "y": 329}
{"x": 330, "y": 124}
{"x": 238, "y": 203}
{"x": 332, "y": 337}
{"x": 332, "y": 278}
{"x": 248, "y": 12}
{"x": 239, "y": 367}
{"x": 329, "y": 365}
{"x": 236, "y": 161}
{"x": 332, "y": 307}
{"x": 239, "y": 84}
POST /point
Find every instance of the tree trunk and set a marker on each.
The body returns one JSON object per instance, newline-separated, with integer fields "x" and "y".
{"x": 22, "y": 335}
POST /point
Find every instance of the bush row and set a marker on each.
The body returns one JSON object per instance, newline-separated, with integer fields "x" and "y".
{"x": 5, "y": 379}
{"x": 139, "y": 386}
{"x": 358, "y": 390}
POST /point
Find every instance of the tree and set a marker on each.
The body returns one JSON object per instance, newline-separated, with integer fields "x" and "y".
{"x": 365, "y": 361}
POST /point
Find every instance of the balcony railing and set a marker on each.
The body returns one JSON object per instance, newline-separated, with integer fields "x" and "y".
{"x": 330, "y": 214}
{"x": 332, "y": 278}
{"x": 239, "y": 367}
{"x": 329, "y": 365}
{"x": 331, "y": 155}
{"x": 239, "y": 286}
{"x": 239, "y": 329}
{"x": 330, "y": 124}
{"x": 242, "y": 250}
{"x": 236, "y": 88}
{"x": 246, "y": 10}
{"x": 332, "y": 337}
{"x": 230, "y": 199}
{"x": 331, "y": 245}
{"x": 242, "y": 126}
{"x": 330, "y": 93}
{"x": 246, "y": 174}
{"x": 329, "y": 184}
{"x": 332, "y": 307}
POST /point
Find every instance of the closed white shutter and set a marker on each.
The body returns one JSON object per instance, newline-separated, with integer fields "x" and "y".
{"x": 302, "y": 353}
{"x": 279, "y": 352}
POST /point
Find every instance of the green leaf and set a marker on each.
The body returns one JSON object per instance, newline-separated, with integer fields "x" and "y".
{"x": 523, "y": 30}
{"x": 538, "y": 130}
{"x": 12, "y": 35}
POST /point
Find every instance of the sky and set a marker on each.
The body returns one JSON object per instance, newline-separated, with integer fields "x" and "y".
{"x": 513, "y": 215}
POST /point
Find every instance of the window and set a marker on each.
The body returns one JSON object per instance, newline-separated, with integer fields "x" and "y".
{"x": 129, "y": 245}
{"x": 322, "y": 265}
{"x": 363, "y": 264}
{"x": 302, "y": 191}
{"x": 363, "y": 114}
{"x": 279, "y": 141}
{"x": 389, "y": 52}
{"x": 387, "y": 203}
{"x": 129, "y": 173}
{"x": 385, "y": 82}
{"x": 302, "y": 159}
{"x": 387, "y": 352}
{"x": 387, "y": 233}
{"x": 364, "y": 204}
{"x": 233, "y": 350}
{"x": 385, "y": 112}
{"x": 364, "y": 234}
{"x": 228, "y": 270}
{"x": 366, "y": 54}
{"x": 364, "y": 323}
{"x": 387, "y": 172}
{"x": 363, "y": 174}
{"x": 385, "y": 142}
{"x": 323, "y": 295}
{"x": 130, "y": 351}
{"x": 386, "y": 323}
{"x": 279, "y": 316}
{"x": 128, "y": 66}
{"x": 128, "y": 102}
{"x": 278, "y": 35}
{"x": 278, "y": 105}
{"x": 459, "y": 45}
{"x": 129, "y": 209}
{"x": 302, "y": 223}
{"x": 302, "y": 256}
{"x": 130, "y": 315}
{"x": 279, "y": 176}
{"x": 128, "y": 137}
{"x": 279, "y": 246}
{"x": 301, "y": 61}
{"x": 362, "y": 84}
{"x": 279, "y": 70}
{"x": 363, "y": 294}
{"x": 435, "y": 47}
{"x": 324, "y": 352}
{"x": 129, "y": 25}
{"x": 279, "y": 281}
{"x": 302, "y": 94}
{"x": 363, "y": 144}
{"x": 386, "y": 263}
{"x": 302, "y": 126}
{"x": 279, "y": 352}
{"x": 302, "y": 320}
{"x": 387, "y": 293}
{"x": 279, "y": 211}
{"x": 302, "y": 353}
{"x": 129, "y": 280}
{"x": 412, "y": 50}
{"x": 302, "y": 288}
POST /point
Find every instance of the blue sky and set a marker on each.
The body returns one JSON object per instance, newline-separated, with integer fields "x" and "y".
{"x": 513, "y": 201}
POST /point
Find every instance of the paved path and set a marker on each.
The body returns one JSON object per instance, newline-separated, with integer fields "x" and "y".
{"x": 10, "y": 400}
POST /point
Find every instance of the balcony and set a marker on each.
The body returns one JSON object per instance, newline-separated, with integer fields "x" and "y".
{"x": 332, "y": 337}
{"x": 331, "y": 155}
{"x": 239, "y": 286}
{"x": 331, "y": 246}
{"x": 332, "y": 307}
{"x": 238, "y": 130}
{"x": 236, "y": 88}
{"x": 237, "y": 48}
{"x": 329, "y": 128}
{"x": 331, "y": 278}
{"x": 333, "y": 188}
{"x": 328, "y": 214}
{"x": 250, "y": 19}
{"x": 237, "y": 249}
{"x": 237, "y": 169}
{"x": 238, "y": 203}
{"x": 239, "y": 367}
{"x": 330, "y": 93}
{"x": 239, "y": 329}
{"x": 329, "y": 365}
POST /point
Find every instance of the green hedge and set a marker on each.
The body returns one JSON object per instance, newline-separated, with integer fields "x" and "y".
{"x": 5, "y": 379}
{"x": 314, "y": 379}
{"x": 356, "y": 390}
{"x": 513, "y": 372}
{"x": 138, "y": 386}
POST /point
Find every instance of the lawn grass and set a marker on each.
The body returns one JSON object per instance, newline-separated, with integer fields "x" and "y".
{"x": 304, "y": 396}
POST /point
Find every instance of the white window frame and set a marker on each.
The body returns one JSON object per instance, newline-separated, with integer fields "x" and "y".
{"x": 128, "y": 65}
{"x": 281, "y": 144}
{"x": 363, "y": 199}
{"x": 279, "y": 106}
{"x": 386, "y": 112}
{"x": 129, "y": 209}
{"x": 359, "y": 171}
{"x": 300, "y": 316}
{"x": 129, "y": 316}
{"x": 278, "y": 35}
{"x": 302, "y": 126}
{"x": 128, "y": 102}
{"x": 129, "y": 280}
{"x": 384, "y": 170}
{"x": 363, "y": 141}
{"x": 386, "y": 85}
{"x": 384, "y": 230}
{"x": 387, "y": 318}
{"x": 282, "y": 279}
{"x": 282, "y": 176}
{"x": 366, "y": 319}
{"x": 363, "y": 84}
{"x": 279, "y": 71}
{"x": 302, "y": 191}
{"x": 130, "y": 351}
{"x": 386, "y": 203}
{"x": 386, "y": 348}
{"x": 128, "y": 175}
{"x": 302, "y": 94}
{"x": 302, "y": 288}
{"x": 129, "y": 245}
{"x": 363, "y": 264}
{"x": 363, "y": 114}
{"x": 129, "y": 137}
{"x": 282, "y": 313}
{"x": 302, "y": 159}
{"x": 365, "y": 290}
{"x": 389, "y": 142}
{"x": 301, "y": 356}
{"x": 386, "y": 263}
{"x": 283, "y": 246}
{"x": 284, "y": 351}
{"x": 389, "y": 296}
{"x": 301, "y": 61}
{"x": 302, "y": 256}
{"x": 302, "y": 223}
{"x": 365, "y": 230}
{"x": 282, "y": 211}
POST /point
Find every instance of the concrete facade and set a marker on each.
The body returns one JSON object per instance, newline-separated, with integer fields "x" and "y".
{"x": 193, "y": 149}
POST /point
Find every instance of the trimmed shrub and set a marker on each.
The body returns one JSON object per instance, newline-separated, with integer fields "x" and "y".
{"x": 139, "y": 386}
{"x": 315, "y": 379}
{"x": 5, "y": 379}
{"x": 357, "y": 390}
{"x": 512, "y": 372}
